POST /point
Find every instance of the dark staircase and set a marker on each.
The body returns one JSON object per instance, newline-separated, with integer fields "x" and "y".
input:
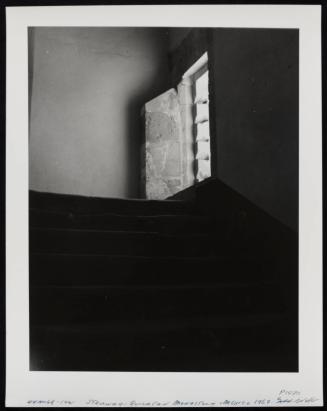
{"x": 139, "y": 285}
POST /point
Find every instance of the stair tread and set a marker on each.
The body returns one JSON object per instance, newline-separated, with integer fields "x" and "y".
{"x": 156, "y": 223}
{"x": 78, "y": 203}
{"x": 122, "y": 233}
{"x": 100, "y": 269}
{"x": 112, "y": 214}
{"x": 244, "y": 259}
{"x": 105, "y": 287}
{"x": 124, "y": 257}
{"x": 127, "y": 326}
{"x": 92, "y": 241}
{"x": 63, "y": 196}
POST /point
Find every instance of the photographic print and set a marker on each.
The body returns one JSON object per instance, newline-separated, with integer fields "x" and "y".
{"x": 163, "y": 177}
{"x": 164, "y": 206}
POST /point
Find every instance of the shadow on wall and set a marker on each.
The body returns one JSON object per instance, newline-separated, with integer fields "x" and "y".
{"x": 254, "y": 110}
{"x": 256, "y": 99}
{"x": 86, "y": 90}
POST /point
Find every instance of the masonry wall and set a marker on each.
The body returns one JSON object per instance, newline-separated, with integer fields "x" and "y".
{"x": 87, "y": 87}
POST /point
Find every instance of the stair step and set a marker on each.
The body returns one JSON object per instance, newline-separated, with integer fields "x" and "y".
{"x": 139, "y": 303}
{"x": 119, "y": 328}
{"x": 85, "y": 269}
{"x": 117, "y": 242}
{"x": 156, "y": 223}
{"x": 81, "y": 204}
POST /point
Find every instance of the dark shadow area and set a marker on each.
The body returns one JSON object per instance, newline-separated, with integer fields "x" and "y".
{"x": 203, "y": 282}
{"x": 254, "y": 113}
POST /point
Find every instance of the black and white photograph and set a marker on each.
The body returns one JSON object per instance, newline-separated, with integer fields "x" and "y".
{"x": 167, "y": 228}
{"x": 163, "y": 202}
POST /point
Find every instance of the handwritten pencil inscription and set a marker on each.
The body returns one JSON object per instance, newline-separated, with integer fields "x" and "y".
{"x": 284, "y": 397}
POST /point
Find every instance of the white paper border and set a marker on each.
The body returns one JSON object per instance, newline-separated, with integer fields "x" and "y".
{"x": 23, "y": 385}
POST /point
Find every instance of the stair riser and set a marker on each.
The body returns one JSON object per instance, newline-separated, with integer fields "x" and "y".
{"x": 59, "y": 269}
{"x": 80, "y": 204}
{"x": 99, "y": 242}
{"x": 59, "y": 337}
{"x": 161, "y": 224}
{"x": 93, "y": 305}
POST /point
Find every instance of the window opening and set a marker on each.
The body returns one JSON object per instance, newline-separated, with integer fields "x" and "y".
{"x": 198, "y": 75}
